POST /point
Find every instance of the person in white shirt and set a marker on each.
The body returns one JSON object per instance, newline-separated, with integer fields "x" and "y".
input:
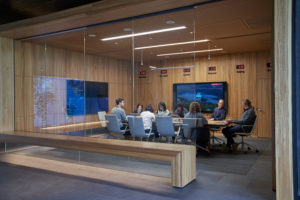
{"x": 148, "y": 117}
{"x": 162, "y": 109}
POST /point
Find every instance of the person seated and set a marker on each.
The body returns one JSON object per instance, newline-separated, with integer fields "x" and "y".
{"x": 180, "y": 110}
{"x": 120, "y": 113}
{"x": 219, "y": 112}
{"x": 139, "y": 109}
{"x": 162, "y": 109}
{"x": 248, "y": 118}
{"x": 148, "y": 118}
{"x": 202, "y": 134}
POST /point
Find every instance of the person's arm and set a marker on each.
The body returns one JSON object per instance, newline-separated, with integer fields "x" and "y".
{"x": 123, "y": 116}
{"x": 204, "y": 120}
{"x": 245, "y": 119}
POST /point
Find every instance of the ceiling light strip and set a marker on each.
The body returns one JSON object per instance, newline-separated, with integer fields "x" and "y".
{"x": 144, "y": 33}
{"x": 171, "y": 44}
{"x": 189, "y": 52}
{"x": 177, "y": 67}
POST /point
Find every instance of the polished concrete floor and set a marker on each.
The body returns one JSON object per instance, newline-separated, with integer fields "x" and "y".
{"x": 219, "y": 176}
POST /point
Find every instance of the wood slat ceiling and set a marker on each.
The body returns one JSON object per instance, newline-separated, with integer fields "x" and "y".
{"x": 234, "y": 25}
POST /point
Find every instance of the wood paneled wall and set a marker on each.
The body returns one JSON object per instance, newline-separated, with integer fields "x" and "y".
{"x": 32, "y": 60}
{"x": 283, "y": 99}
{"x": 254, "y": 84}
{"x": 6, "y": 85}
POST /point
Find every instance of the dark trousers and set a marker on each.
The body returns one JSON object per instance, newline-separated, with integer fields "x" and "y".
{"x": 123, "y": 127}
{"x": 229, "y": 131}
{"x": 153, "y": 131}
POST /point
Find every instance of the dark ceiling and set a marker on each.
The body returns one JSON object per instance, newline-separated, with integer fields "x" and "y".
{"x": 14, "y": 10}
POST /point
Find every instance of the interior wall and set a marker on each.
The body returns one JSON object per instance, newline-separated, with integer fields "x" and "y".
{"x": 6, "y": 85}
{"x": 254, "y": 83}
{"x": 31, "y": 60}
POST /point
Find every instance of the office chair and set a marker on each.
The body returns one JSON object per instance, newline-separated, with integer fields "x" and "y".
{"x": 165, "y": 128}
{"x": 247, "y": 134}
{"x": 136, "y": 127}
{"x": 113, "y": 126}
{"x": 189, "y": 130}
{"x": 214, "y": 138}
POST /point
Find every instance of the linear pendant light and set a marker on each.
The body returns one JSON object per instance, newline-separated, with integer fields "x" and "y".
{"x": 171, "y": 44}
{"x": 144, "y": 33}
{"x": 189, "y": 52}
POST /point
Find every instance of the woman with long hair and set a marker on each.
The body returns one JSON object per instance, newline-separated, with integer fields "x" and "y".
{"x": 162, "y": 109}
{"x": 203, "y": 132}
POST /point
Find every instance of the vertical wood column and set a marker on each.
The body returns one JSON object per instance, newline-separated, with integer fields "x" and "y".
{"x": 283, "y": 98}
{"x": 6, "y": 85}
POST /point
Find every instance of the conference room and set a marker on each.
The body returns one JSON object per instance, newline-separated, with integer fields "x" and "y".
{"x": 69, "y": 84}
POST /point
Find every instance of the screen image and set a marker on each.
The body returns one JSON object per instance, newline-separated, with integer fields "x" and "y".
{"x": 207, "y": 94}
{"x": 86, "y": 95}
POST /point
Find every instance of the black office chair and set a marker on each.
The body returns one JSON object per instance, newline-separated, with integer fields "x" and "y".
{"x": 214, "y": 138}
{"x": 246, "y": 133}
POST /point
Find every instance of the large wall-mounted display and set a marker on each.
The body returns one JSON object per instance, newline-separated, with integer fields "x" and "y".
{"x": 70, "y": 96}
{"x": 86, "y": 97}
{"x": 207, "y": 94}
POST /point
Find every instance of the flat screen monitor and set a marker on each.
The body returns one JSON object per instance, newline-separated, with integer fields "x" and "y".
{"x": 207, "y": 94}
{"x": 86, "y": 97}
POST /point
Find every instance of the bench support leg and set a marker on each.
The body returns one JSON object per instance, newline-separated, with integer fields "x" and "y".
{"x": 183, "y": 168}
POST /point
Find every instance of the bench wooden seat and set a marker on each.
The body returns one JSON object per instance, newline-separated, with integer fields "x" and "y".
{"x": 181, "y": 157}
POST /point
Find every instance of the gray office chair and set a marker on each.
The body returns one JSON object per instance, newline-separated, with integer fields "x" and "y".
{"x": 113, "y": 126}
{"x": 246, "y": 133}
{"x": 165, "y": 128}
{"x": 136, "y": 127}
{"x": 190, "y": 124}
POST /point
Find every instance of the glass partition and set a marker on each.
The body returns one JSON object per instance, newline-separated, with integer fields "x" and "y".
{"x": 72, "y": 76}
{"x": 164, "y": 57}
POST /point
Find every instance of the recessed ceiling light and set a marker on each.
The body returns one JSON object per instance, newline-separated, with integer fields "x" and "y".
{"x": 127, "y": 29}
{"x": 191, "y": 32}
{"x": 92, "y": 35}
{"x": 171, "y": 44}
{"x": 189, "y": 52}
{"x": 150, "y": 38}
{"x": 116, "y": 43}
{"x": 144, "y": 33}
{"x": 170, "y": 22}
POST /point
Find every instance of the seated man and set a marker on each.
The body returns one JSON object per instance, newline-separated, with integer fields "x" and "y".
{"x": 120, "y": 113}
{"x": 248, "y": 118}
{"x": 219, "y": 112}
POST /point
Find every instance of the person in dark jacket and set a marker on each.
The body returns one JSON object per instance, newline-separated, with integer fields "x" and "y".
{"x": 219, "y": 112}
{"x": 202, "y": 134}
{"x": 248, "y": 118}
{"x": 180, "y": 110}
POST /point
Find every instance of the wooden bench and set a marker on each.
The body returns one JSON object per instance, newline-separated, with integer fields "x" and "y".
{"x": 181, "y": 157}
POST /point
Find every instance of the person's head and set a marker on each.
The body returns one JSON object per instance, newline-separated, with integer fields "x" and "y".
{"x": 179, "y": 106}
{"x": 246, "y": 103}
{"x": 195, "y": 107}
{"x": 149, "y": 108}
{"x": 120, "y": 102}
{"x": 139, "y": 107}
{"x": 221, "y": 103}
{"x": 162, "y": 106}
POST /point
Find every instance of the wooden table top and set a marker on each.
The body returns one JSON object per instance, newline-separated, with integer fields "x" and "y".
{"x": 217, "y": 123}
